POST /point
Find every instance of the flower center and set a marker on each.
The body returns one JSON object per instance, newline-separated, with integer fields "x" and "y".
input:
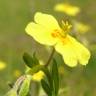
{"x": 63, "y": 32}
{"x": 66, "y": 27}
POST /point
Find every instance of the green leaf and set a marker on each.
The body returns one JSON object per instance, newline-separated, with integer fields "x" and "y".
{"x": 49, "y": 78}
{"x": 36, "y": 61}
{"x": 55, "y": 76}
{"x": 46, "y": 87}
{"x": 24, "y": 89}
{"x": 12, "y": 92}
{"x": 28, "y": 60}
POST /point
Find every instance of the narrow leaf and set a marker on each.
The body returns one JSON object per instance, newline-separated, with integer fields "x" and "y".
{"x": 55, "y": 76}
{"x": 49, "y": 78}
{"x": 46, "y": 87}
{"x": 36, "y": 61}
{"x": 28, "y": 60}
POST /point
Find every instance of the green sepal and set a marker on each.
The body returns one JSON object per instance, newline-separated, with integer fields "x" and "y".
{"x": 35, "y": 69}
{"x": 36, "y": 61}
{"x": 28, "y": 60}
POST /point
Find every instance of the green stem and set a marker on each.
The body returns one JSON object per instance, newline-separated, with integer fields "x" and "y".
{"x": 50, "y": 57}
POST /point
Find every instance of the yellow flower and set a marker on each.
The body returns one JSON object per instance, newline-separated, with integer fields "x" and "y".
{"x": 38, "y": 76}
{"x": 46, "y": 30}
{"x": 2, "y": 65}
{"x": 81, "y": 27}
{"x": 67, "y": 8}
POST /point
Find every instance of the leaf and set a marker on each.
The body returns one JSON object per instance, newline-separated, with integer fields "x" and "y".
{"x": 12, "y": 92}
{"x": 28, "y": 60}
{"x": 55, "y": 76}
{"x": 46, "y": 87}
{"x": 24, "y": 89}
{"x": 36, "y": 61}
{"x": 49, "y": 78}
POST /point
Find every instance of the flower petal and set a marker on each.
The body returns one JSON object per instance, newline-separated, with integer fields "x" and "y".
{"x": 38, "y": 76}
{"x": 67, "y": 53}
{"x": 2, "y": 65}
{"x": 46, "y": 20}
{"x": 82, "y": 52}
{"x": 67, "y": 8}
{"x": 73, "y": 52}
{"x": 40, "y": 34}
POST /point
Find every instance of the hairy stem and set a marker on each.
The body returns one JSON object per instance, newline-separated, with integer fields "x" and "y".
{"x": 18, "y": 82}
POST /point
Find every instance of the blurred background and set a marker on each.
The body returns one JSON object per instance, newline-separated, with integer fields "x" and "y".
{"x": 15, "y": 15}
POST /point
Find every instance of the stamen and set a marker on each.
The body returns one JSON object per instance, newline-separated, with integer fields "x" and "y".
{"x": 62, "y": 34}
{"x": 66, "y": 26}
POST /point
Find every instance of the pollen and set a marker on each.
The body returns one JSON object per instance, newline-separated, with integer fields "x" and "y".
{"x": 55, "y": 33}
{"x": 61, "y": 34}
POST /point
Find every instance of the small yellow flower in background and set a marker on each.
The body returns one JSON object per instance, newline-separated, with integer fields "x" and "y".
{"x": 2, "y": 65}
{"x": 81, "y": 27}
{"x": 38, "y": 76}
{"x": 67, "y": 8}
{"x": 46, "y": 30}
{"x": 17, "y": 73}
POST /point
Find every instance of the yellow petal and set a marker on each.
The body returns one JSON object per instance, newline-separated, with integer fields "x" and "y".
{"x": 2, "y": 65}
{"x": 73, "y": 52}
{"x": 46, "y": 20}
{"x": 38, "y": 76}
{"x": 67, "y": 53}
{"x": 82, "y": 52}
{"x": 68, "y": 9}
{"x": 40, "y": 33}
{"x": 81, "y": 27}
